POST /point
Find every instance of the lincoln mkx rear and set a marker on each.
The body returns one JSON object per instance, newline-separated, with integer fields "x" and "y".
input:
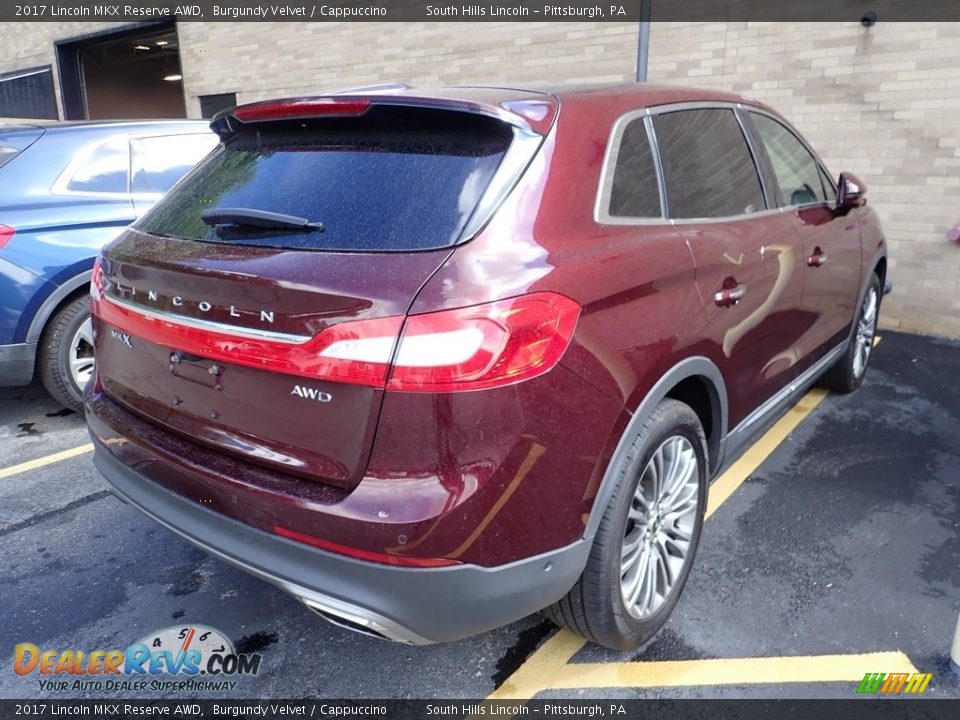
{"x": 432, "y": 362}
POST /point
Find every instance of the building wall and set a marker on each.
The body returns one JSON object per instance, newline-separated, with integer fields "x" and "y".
{"x": 881, "y": 102}
{"x": 261, "y": 60}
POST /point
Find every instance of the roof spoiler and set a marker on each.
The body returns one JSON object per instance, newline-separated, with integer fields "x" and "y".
{"x": 534, "y": 115}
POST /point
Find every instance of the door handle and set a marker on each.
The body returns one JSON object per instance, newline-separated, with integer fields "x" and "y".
{"x": 818, "y": 258}
{"x": 730, "y": 296}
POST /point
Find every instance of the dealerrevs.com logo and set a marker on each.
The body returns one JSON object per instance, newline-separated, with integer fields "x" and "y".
{"x": 191, "y": 658}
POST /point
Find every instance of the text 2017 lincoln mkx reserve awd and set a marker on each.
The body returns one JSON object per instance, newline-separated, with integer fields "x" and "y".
{"x": 434, "y": 361}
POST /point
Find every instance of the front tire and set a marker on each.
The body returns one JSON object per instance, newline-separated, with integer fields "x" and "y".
{"x": 66, "y": 353}
{"x": 848, "y": 372}
{"x": 648, "y": 537}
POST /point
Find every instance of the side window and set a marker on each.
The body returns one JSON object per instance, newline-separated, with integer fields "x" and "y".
{"x": 158, "y": 162}
{"x": 104, "y": 170}
{"x": 707, "y": 164}
{"x": 829, "y": 189}
{"x": 634, "y": 192}
{"x": 798, "y": 174}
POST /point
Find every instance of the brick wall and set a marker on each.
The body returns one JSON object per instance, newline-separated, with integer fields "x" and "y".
{"x": 882, "y": 102}
{"x": 269, "y": 59}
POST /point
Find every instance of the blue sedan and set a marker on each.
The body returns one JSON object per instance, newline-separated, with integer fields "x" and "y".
{"x": 66, "y": 189}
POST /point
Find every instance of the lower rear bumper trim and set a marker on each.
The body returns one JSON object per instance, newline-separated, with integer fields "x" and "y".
{"x": 411, "y": 605}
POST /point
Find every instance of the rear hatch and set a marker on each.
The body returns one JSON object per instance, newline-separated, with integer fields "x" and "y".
{"x": 215, "y": 308}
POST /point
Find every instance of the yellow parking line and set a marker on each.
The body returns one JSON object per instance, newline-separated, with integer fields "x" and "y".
{"x": 545, "y": 668}
{"x": 46, "y": 460}
{"x": 724, "y": 486}
{"x": 549, "y": 666}
{"x": 734, "y": 671}
{"x": 540, "y": 669}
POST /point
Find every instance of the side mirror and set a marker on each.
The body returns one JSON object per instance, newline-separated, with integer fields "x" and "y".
{"x": 851, "y": 192}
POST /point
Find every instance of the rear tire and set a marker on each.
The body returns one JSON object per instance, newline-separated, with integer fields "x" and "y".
{"x": 848, "y": 372}
{"x": 654, "y": 518}
{"x": 66, "y": 353}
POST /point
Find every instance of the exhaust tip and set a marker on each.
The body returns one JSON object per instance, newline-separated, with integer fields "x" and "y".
{"x": 348, "y": 624}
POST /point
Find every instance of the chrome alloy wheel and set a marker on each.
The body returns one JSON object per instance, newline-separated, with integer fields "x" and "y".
{"x": 660, "y": 525}
{"x": 80, "y": 357}
{"x": 866, "y": 328}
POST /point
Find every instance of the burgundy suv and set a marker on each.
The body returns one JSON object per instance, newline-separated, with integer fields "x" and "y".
{"x": 432, "y": 362}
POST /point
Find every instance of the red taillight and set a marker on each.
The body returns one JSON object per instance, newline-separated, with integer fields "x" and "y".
{"x": 305, "y": 359}
{"x": 483, "y": 346}
{"x": 362, "y": 554}
{"x": 96, "y": 282}
{"x": 309, "y": 107}
{"x": 5, "y": 234}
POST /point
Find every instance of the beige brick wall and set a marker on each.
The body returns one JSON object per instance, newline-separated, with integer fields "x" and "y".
{"x": 881, "y": 102}
{"x": 266, "y": 59}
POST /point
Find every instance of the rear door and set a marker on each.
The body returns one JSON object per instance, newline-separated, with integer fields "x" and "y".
{"x": 830, "y": 241}
{"x": 246, "y": 338}
{"x": 746, "y": 256}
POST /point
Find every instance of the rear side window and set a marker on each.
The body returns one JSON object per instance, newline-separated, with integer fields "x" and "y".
{"x": 7, "y": 154}
{"x": 158, "y": 162}
{"x": 707, "y": 165}
{"x": 798, "y": 175}
{"x": 391, "y": 179}
{"x": 634, "y": 192}
{"x": 15, "y": 139}
{"x": 103, "y": 168}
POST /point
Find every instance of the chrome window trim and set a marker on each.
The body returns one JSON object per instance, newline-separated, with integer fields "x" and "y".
{"x": 657, "y": 165}
{"x": 211, "y": 325}
{"x": 601, "y": 206}
{"x": 745, "y": 129}
{"x": 601, "y": 209}
{"x": 514, "y": 163}
{"x": 802, "y": 140}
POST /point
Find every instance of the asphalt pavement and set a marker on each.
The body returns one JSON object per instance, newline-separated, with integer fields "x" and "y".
{"x": 840, "y": 551}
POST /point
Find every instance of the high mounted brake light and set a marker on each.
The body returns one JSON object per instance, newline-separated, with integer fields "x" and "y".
{"x": 483, "y": 346}
{"x": 305, "y": 108}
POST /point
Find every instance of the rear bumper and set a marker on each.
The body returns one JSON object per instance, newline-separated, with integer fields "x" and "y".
{"x": 413, "y": 605}
{"x": 17, "y": 363}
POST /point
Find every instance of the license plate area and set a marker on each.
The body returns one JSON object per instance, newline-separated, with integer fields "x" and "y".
{"x": 197, "y": 370}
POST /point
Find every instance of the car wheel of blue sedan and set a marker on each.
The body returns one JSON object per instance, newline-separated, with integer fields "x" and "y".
{"x": 66, "y": 354}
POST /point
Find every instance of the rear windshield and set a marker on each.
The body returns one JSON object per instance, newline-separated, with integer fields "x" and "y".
{"x": 391, "y": 179}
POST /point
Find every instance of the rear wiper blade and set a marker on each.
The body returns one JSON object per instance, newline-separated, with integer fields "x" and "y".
{"x": 248, "y": 217}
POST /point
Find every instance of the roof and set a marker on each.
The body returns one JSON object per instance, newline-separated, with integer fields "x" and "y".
{"x": 643, "y": 94}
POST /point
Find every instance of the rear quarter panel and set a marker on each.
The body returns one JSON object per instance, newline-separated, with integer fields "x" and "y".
{"x": 641, "y": 314}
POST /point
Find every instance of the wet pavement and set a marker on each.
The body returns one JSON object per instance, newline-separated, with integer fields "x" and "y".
{"x": 845, "y": 541}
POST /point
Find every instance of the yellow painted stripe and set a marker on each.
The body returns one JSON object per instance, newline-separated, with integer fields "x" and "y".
{"x": 726, "y": 484}
{"x": 737, "y": 671}
{"x": 540, "y": 669}
{"x": 44, "y": 461}
{"x": 876, "y": 340}
{"x": 551, "y": 661}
